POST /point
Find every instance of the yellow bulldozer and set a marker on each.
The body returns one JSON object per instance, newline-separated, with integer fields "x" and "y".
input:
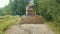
{"x": 30, "y": 17}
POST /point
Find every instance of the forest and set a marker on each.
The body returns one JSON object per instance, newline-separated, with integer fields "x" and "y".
{"x": 48, "y": 9}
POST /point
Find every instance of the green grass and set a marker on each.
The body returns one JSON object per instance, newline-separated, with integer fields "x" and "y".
{"x": 55, "y": 26}
{"x": 6, "y": 22}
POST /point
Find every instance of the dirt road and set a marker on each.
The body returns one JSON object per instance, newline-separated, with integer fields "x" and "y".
{"x": 29, "y": 29}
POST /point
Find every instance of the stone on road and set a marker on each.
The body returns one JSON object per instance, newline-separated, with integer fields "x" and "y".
{"x": 29, "y": 29}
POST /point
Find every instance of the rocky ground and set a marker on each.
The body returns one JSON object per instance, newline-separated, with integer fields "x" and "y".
{"x": 29, "y": 29}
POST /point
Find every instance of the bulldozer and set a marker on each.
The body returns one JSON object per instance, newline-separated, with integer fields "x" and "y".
{"x": 30, "y": 17}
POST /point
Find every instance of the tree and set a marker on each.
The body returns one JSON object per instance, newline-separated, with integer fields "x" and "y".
{"x": 47, "y": 8}
{"x": 18, "y": 7}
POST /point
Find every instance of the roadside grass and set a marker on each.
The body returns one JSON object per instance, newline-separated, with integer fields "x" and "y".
{"x": 6, "y": 22}
{"x": 55, "y": 26}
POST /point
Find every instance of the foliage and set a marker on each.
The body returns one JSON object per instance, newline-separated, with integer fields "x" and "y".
{"x": 18, "y": 7}
{"x": 49, "y": 9}
{"x": 55, "y": 26}
{"x": 6, "y": 22}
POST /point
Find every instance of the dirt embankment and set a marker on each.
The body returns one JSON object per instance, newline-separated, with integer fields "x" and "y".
{"x": 30, "y": 20}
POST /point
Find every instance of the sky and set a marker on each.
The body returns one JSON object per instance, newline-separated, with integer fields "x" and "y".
{"x": 3, "y": 3}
